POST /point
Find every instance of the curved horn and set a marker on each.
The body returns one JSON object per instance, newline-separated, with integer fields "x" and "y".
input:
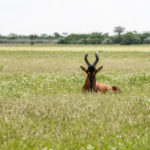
{"x": 97, "y": 59}
{"x": 85, "y": 58}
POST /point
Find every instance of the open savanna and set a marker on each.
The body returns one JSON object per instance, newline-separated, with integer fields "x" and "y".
{"x": 42, "y": 105}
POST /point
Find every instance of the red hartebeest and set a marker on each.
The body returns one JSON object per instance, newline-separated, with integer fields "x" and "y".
{"x": 90, "y": 82}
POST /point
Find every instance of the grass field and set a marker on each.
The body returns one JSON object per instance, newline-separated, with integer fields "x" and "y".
{"x": 42, "y": 106}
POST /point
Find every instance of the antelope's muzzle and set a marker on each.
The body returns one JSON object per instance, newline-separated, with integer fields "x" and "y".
{"x": 91, "y": 82}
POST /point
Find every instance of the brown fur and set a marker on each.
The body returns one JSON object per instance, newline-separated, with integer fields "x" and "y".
{"x": 100, "y": 87}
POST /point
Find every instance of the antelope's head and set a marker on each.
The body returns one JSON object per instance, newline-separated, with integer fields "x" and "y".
{"x": 91, "y": 70}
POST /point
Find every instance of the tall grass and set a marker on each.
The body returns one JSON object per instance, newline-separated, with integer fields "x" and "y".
{"x": 42, "y": 105}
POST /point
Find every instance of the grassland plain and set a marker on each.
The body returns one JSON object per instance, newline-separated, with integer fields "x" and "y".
{"x": 42, "y": 106}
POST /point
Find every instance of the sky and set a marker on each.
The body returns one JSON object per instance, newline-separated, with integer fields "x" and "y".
{"x": 73, "y": 16}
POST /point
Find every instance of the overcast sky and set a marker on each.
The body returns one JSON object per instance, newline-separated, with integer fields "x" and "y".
{"x": 73, "y": 16}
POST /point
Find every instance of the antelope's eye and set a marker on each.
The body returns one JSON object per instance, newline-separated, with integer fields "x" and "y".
{"x": 89, "y": 73}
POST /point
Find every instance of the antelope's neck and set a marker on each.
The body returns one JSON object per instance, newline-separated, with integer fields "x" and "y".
{"x": 87, "y": 83}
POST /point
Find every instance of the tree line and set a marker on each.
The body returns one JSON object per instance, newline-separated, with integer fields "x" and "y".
{"x": 120, "y": 37}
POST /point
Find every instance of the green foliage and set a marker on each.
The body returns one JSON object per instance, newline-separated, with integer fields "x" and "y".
{"x": 144, "y": 36}
{"x": 130, "y": 38}
{"x": 57, "y": 35}
{"x": 91, "y": 38}
{"x": 107, "y": 41}
{"x": 147, "y": 40}
{"x": 75, "y": 39}
{"x": 117, "y": 39}
{"x": 12, "y": 36}
{"x": 119, "y": 30}
{"x": 96, "y": 38}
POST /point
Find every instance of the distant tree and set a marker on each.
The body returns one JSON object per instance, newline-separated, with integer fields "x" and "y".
{"x": 135, "y": 32}
{"x": 12, "y": 36}
{"x": 107, "y": 41}
{"x": 144, "y": 36}
{"x": 96, "y": 38}
{"x": 65, "y": 33}
{"x": 57, "y": 35}
{"x": 117, "y": 39}
{"x": 119, "y": 30}
{"x": 44, "y": 36}
{"x": 74, "y": 39}
{"x": 130, "y": 38}
{"x": 32, "y": 37}
{"x": 147, "y": 40}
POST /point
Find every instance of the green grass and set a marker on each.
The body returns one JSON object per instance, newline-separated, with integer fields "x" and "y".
{"x": 42, "y": 105}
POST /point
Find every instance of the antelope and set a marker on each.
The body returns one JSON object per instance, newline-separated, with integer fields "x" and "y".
{"x": 90, "y": 82}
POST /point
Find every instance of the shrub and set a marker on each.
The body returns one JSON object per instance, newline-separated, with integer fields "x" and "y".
{"x": 117, "y": 39}
{"x": 130, "y": 38}
{"x": 147, "y": 40}
{"x": 107, "y": 41}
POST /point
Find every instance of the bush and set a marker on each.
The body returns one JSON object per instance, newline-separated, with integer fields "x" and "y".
{"x": 96, "y": 38}
{"x": 146, "y": 40}
{"x": 74, "y": 39}
{"x": 130, "y": 38}
{"x": 117, "y": 39}
{"x": 107, "y": 41}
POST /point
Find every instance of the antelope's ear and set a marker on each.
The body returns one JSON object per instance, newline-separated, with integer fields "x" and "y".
{"x": 84, "y": 69}
{"x": 99, "y": 69}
